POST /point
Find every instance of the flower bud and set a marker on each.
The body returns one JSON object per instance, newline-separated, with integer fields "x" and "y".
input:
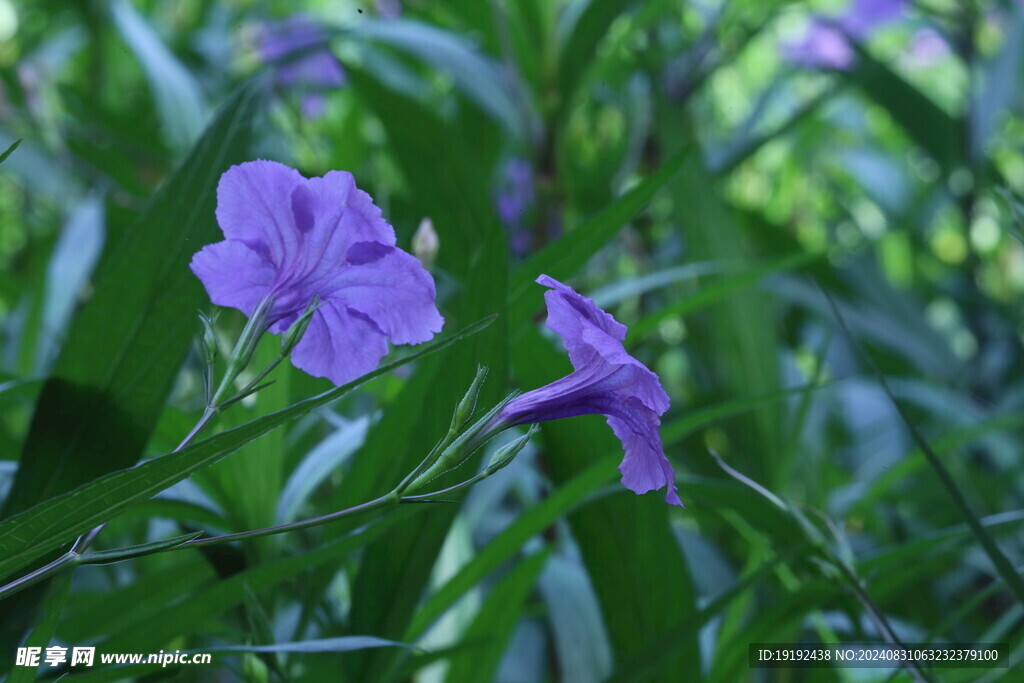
{"x": 507, "y": 453}
{"x": 209, "y": 339}
{"x": 298, "y": 328}
{"x": 251, "y": 335}
{"x": 459, "y": 450}
{"x": 425, "y": 243}
{"x": 464, "y": 411}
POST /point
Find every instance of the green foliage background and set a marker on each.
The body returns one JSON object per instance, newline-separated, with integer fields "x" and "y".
{"x": 824, "y": 267}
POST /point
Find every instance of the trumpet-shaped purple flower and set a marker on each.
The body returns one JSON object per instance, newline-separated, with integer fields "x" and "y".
{"x": 312, "y": 69}
{"x": 606, "y": 381}
{"x": 293, "y": 238}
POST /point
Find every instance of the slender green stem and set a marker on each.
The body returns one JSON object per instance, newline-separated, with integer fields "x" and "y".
{"x": 426, "y": 496}
{"x": 68, "y": 559}
{"x": 427, "y": 461}
{"x": 252, "y": 385}
{"x": 204, "y": 420}
{"x": 390, "y": 500}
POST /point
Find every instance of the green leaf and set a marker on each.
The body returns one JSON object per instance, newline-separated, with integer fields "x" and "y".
{"x": 641, "y": 665}
{"x": 324, "y": 459}
{"x": 93, "y": 616}
{"x": 578, "y": 634}
{"x": 42, "y": 635}
{"x": 736, "y": 339}
{"x": 11, "y": 148}
{"x": 491, "y": 629}
{"x": 179, "y": 100}
{"x": 924, "y": 121}
{"x": 67, "y": 272}
{"x": 47, "y": 526}
{"x": 474, "y": 74}
{"x": 676, "y": 430}
{"x": 1000, "y": 83}
{"x": 39, "y": 170}
{"x": 124, "y": 348}
{"x": 716, "y": 290}
{"x": 585, "y": 25}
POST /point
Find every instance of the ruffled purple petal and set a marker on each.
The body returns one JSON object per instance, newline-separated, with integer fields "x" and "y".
{"x": 332, "y": 215}
{"x": 645, "y": 467}
{"x": 570, "y": 314}
{"x": 233, "y": 274}
{"x": 340, "y": 345}
{"x": 254, "y": 206}
{"x": 392, "y": 289}
{"x": 586, "y": 331}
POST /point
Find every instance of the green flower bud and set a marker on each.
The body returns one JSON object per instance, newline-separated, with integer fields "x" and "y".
{"x": 298, "y": 328}
{"x": 209, "y": 339}
{"x": 459, "y": 450}
{"x": 464, "y": 411}
{"x": 507, "y": 453}
{"x": 251, "y": 335}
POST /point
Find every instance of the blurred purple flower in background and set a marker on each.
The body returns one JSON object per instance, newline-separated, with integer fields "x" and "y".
{"x": 927, "y": 47}
{"x": 823, "y": 47}
{"x": 389, "y": 9}
{"x": 864, "y": 17}
{"x": 826, "y": 43}
{"x": 293, "y": 238}
{"x": 606, "y": 381}
{"x": 515, "y": 193}
{"x": 513, "y": 198}
{"x": 314, "y": 70}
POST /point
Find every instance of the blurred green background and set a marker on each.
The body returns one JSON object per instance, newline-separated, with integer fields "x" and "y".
{"x": 813, "y": 230}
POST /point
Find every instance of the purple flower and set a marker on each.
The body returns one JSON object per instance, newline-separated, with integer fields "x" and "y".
{"x": 606, "y": 381}
{"x": 292, "y": 238}
{"x": 316, "y": 68}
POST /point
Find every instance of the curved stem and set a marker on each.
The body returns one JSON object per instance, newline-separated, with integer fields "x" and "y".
{"x": 204, "y": 420}
{"x": 384, "y": 501}
{"x": 68, "y": 559}
{"x": 426, "y": 497}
